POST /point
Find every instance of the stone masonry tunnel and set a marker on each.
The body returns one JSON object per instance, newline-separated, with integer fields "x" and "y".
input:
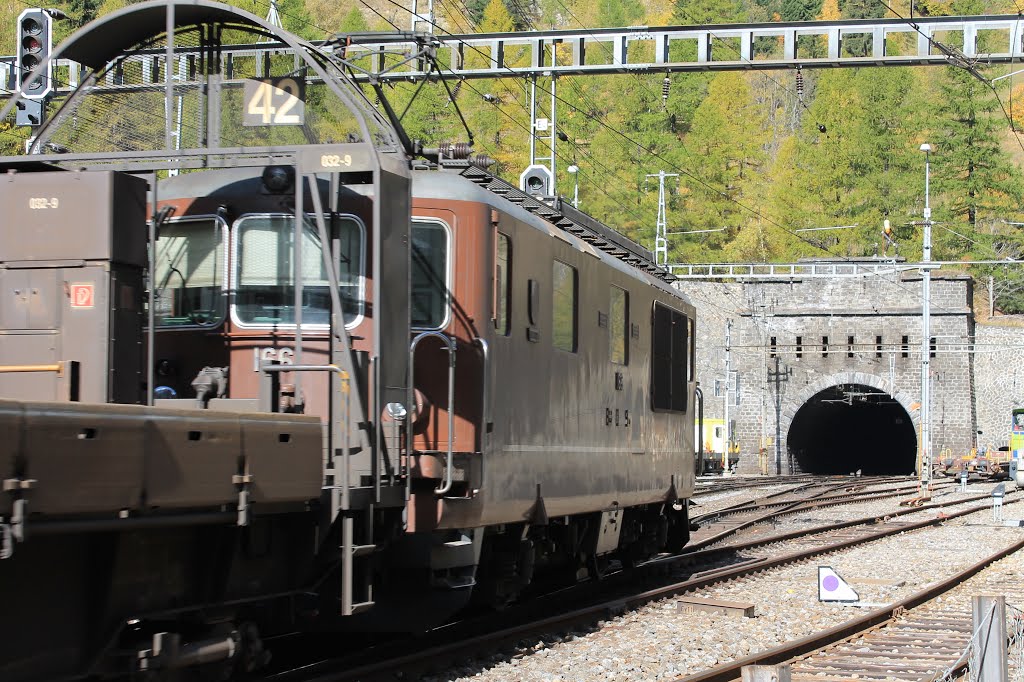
{"x": 852, "y": 427}
{"x": 827, "y": 354}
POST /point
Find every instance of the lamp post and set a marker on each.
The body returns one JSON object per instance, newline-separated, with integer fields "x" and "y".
{"x": 574, "y": 170}
{"x": 926, "y": 277}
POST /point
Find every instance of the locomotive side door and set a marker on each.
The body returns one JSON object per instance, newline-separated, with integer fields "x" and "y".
{"x": 447, "y": 298}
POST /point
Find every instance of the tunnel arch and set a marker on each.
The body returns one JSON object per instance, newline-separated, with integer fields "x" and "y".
{"x": 820, "y": 419}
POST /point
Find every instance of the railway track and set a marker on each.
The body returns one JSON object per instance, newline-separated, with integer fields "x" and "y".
{"x": 711, "y": 484}
{"x": 717, "y": 526}
{"x": 569, "y": 610}
{"x": 800, "y": 492}
{"x": 920, "y": 637}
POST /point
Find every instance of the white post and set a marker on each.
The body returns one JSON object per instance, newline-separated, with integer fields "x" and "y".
{"x": 554, "y": 123}
{"x": 418, "y": 19}
{"x": 533, "y": 120}
{"x": 926, "y": 280}
{"x": 765, "y": 673}
{"x": 661, "y": 226}
{"x": 991, "y": 296}
{"x": 728, "y": 377}
{"x": 989, "y": 623}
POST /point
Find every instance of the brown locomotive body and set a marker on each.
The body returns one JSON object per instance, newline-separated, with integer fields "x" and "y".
{"x": 311, "y": 386}
{"x": 581, "y": 413}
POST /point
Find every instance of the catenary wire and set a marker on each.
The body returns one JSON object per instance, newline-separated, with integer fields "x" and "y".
{"x": 708, "y": 186}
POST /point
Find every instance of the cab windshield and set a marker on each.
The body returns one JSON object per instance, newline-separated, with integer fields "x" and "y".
{"x": 264, "y": 271}
{"x": 189, "y": 284}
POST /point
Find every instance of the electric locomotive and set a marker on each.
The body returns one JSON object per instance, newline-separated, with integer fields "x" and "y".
{"x": 255, "y": 380}
{"x": 532, "y": 354}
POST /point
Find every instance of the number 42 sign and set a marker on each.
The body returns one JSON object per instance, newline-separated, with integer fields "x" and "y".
{"x": 274, "y": 102}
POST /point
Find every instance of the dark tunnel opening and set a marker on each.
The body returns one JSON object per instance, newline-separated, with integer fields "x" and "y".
{"x": 852, "y": 427}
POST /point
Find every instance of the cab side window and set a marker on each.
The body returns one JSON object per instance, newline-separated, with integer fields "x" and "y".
{"x": 564, "y": 290}
{"x": 669, "y": 359}
{"x": 502, "y": 284}
{"x": 618, "y": 326}
{"x": 691, "y": 340}
{"x": 429, "y": 274}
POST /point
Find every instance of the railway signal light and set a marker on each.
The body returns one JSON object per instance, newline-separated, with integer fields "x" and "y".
{"x": 35, "y": 39}
{"x": 536, "y": 180}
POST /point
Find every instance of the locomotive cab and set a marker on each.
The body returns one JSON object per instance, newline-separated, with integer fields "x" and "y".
{"x": 165, "y": 501}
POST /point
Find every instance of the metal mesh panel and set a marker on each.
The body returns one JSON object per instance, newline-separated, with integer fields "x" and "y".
{"x": 126, "y": 108}
{"x": 1015, "y": 630}
{"x": 968, "y": 666}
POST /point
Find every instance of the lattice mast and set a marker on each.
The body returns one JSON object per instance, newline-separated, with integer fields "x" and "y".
{"x": 661, "y": 227}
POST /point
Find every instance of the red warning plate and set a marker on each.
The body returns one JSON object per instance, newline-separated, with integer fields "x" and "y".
{"x": 82, "y": 296}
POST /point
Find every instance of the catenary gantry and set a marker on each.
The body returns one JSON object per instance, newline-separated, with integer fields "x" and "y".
{"x": 936, "y": 40}
{"x": 397, "y": 56}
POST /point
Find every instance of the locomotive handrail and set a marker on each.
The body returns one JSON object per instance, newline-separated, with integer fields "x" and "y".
{"x": 486, "y": 392}
{"x": 698, "y": 396}
{"x": 303, "y": 368}
{"x": 450, "y": 345}
{"x": 56, "y": 367}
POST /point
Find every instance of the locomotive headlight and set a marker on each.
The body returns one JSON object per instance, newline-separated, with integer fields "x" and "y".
{"x": 396, "y": 411}
{"x": 278, "y": 179}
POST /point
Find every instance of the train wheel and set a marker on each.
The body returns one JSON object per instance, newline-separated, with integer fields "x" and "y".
{"x": 252, "y": 656}
{"x": 597, "y": 566}
{"x": 678, "y": 527}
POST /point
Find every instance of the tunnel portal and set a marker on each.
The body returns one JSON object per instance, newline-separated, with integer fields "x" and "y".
{"x": 853, "y": 427}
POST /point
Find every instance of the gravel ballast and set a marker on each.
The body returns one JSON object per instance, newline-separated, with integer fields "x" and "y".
{"x": 663, "y": 642}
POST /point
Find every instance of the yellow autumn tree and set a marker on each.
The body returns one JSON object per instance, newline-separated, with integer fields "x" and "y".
{"x": 496, "y": 18}
{"x": 830, "y": 11}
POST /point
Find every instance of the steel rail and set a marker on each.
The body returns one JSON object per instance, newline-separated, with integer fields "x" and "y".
{"x": 758, "y": 505}
{"x": 804, "y": 532}
{"x": 717, "y": 483}
{"x": 802, "y": 506}
{"x": 763, "y": 503}
{"x": 454, "y": 651}
{"x": 726, "y": 672}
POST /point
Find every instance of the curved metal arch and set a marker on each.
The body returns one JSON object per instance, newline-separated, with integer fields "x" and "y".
{"x": 101, "y": 42}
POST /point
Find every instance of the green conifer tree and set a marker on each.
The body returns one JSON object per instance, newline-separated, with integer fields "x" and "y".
{"x": 700, "y": 12}
{"x": 726, "y": 145}
{"x": 353, "y": 22}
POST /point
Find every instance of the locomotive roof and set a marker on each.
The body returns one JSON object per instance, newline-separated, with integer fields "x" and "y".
{"x": 560, "y": 220}
{"x": 454, "y": 185}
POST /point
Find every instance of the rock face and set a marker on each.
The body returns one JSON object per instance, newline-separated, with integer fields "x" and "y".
{"x": 854, "y": 331}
